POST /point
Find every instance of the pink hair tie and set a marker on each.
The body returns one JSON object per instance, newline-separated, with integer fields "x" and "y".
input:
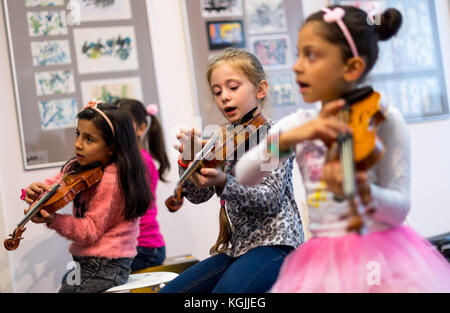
{"x": 336, "y": 16}
{"x": 93, "y": 105}
{"x": 152, "y": 109}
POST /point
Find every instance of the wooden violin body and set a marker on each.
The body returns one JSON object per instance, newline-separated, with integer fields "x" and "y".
{"x": 363, "y": 112}
{"x": 229, "y": 142}
{"x": 62, "y": 193}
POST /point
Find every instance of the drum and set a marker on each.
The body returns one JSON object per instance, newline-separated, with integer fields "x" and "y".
{"x": 144, "y": 282}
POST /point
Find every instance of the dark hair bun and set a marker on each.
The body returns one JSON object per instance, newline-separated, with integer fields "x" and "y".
{"x": 390, "y": 23}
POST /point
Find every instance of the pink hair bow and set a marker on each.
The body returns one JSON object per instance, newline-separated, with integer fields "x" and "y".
{"x": 152, "y": 109}
{"x": 93, "y": 105}
{"x": 336, "y": 16}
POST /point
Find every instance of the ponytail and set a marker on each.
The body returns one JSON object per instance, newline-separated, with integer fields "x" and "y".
{"x": 157, "y": 147}
{"x": 155, "y": 138}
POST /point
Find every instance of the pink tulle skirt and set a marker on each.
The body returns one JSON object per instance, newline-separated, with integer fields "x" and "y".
{"x": 395, "y": 260}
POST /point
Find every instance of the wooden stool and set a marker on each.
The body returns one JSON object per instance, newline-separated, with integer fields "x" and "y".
{"x": 177, "y": 264}
{"x": 144, "y": 282}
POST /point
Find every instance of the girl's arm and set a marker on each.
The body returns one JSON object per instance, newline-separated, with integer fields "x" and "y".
{"x": 390, "y": 188}
{"x": 288, "y": 132}
{"x": 103, "y": 210}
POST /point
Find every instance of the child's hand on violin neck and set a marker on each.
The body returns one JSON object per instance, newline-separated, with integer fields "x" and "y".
{"x": 34, "y": 191}
{"x": 42, "y": 217}
{"x": 189, "y": 143}
{"x": 326, "y": 126}
{"x": 209, "y": 177}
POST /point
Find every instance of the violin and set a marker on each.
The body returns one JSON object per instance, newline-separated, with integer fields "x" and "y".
{"x": 363, "y": 112}
{"x": 229, "y": 142}
{"x": 61, "y": 194}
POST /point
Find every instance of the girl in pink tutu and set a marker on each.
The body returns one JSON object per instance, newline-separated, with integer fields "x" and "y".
{"x": 337, "y": 48}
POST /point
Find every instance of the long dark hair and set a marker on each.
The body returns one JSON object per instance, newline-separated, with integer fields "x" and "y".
{"x": 365, "y": 34}
{"x": 154, "y": 137}
{"x": 133, "y": 178}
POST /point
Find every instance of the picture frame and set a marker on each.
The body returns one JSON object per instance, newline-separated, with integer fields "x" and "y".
{"x": 409, "y": 71}
{"x": 223, "y": 34}
{"x": 45, "y": 44}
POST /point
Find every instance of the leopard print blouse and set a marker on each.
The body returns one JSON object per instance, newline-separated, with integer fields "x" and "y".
{"x": 262, "y": 215}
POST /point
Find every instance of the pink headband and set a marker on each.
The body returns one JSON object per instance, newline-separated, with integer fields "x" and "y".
{"x": 152, "y": 109}
{"x": 336, "y": 16}
{"x": 93, "y": 105}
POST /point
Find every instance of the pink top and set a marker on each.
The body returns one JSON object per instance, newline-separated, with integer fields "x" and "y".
{"x": 150, "y": 236}
{"x": 97, "y": 227}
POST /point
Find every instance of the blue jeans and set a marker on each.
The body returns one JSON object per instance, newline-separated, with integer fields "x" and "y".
{"x": 147, "y": 257}
{"x": 253, "y": 272}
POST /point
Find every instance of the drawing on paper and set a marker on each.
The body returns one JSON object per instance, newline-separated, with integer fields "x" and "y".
{"x": 54, "y": 52}
{"x": 265, "y": 16}
{"x": 272, "y": 51}
{"x": 43, "y": 3}
{"x": 47, "y": 23}
{"x": 106, "y": 49}
{"x": 58, "y": 114}
{"x": 103, "y": 10}
{"x": 111, "y": 90}
{"x": 54, "y": 82}
{"x": 283, "y": 88}
{"x": 221, "y": 8}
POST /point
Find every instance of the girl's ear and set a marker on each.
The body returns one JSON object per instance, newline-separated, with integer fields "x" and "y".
{"x": 111, "y": 150}
{"x": 140, "y": 130}
{"x": 354, "y": 69}
{"x": 262, "y": 89}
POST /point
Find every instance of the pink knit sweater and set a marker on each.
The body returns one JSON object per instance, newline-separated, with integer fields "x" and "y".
{"x": 97, "y": 227}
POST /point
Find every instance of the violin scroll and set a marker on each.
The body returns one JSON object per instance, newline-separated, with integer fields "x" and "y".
{"x": 13, "y": 242}
{"x": 174, "y": 204}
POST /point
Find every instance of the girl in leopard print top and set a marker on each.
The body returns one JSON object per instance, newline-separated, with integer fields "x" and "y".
{"x": 259, "y": 225}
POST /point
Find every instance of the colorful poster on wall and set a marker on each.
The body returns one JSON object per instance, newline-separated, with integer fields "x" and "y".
{"x": 106, "y": 49}
{"x": 273, "y": 51}
{"x": 223, "y": 34}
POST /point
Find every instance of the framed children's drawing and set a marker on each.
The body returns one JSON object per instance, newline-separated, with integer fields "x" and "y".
{"x": 64, "y": 53}
{"x": 409, "y": 72}
{"x": 266, "y": 28}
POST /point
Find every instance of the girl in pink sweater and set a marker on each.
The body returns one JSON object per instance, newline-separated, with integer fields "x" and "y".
{"x": 104, "y": 225}
{"x": 151, "y": 250}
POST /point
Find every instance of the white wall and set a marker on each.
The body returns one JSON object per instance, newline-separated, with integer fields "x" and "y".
{"x": 40, "y": 261}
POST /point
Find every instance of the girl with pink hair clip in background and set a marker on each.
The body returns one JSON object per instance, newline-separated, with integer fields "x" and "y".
{"x": 151, "y": 249}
